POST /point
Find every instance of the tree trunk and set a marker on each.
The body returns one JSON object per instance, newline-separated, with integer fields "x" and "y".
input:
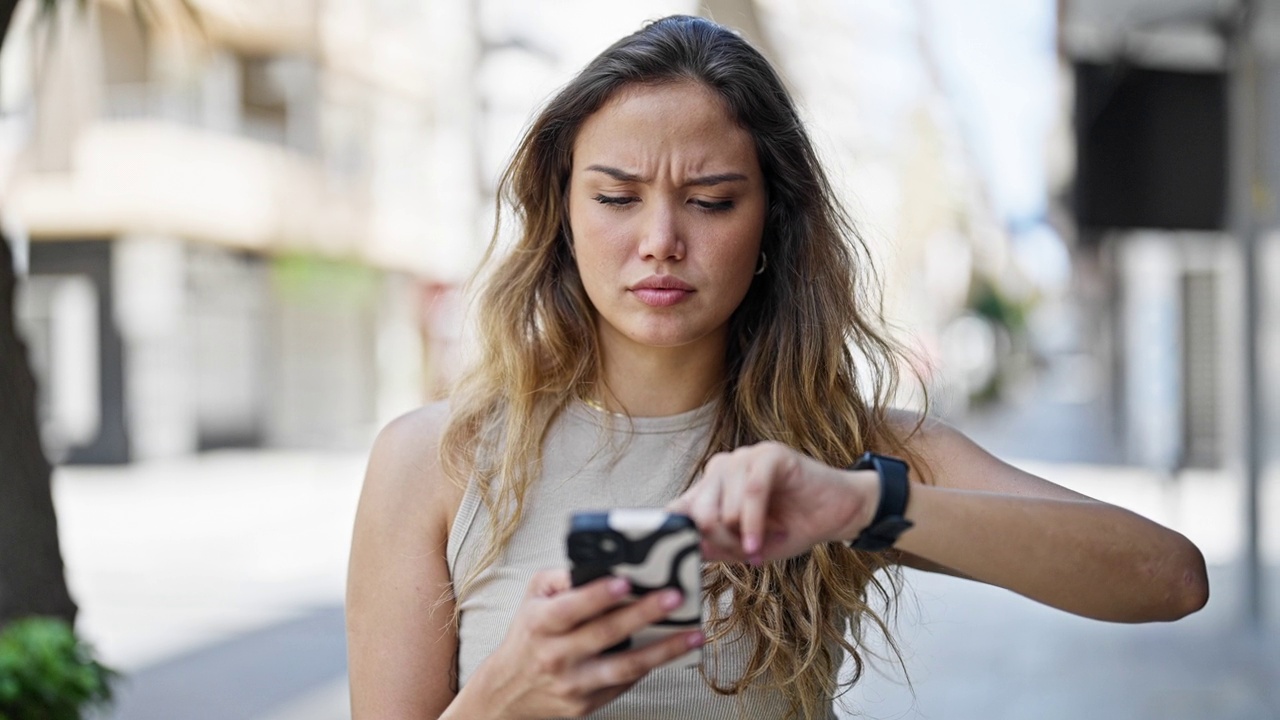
{"x": 31, "y": 571}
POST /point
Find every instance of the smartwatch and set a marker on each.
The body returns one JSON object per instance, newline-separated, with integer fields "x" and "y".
{"x": 890, "y": 520}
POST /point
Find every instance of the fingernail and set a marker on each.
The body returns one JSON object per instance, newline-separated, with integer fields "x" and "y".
{"x": 751, "y": 544}
{"x": 695, "y": 639}
{"x": 619, "y": 586}
{"x": 670, "y": 599}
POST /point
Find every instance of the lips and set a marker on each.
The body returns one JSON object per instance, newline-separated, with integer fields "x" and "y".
{"x": 662, "y": 282}
{"x": 661, "y": 290}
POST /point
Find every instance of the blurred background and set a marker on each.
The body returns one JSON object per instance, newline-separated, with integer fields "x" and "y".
{"x": 240, "y": 232}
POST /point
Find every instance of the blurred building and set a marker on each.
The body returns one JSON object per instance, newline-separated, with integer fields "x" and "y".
{"x": 1150, "y": 197}
{"x": 245, "y": 220}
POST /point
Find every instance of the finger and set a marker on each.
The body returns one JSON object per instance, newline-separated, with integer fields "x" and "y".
{"x": 624, "y": 669}
{"x": 546, "y": 583}
{"x": 705, "y": 506}
{"x": 612, "y": 628}
{"x": 754, "y": 498}
{"x": 731, "y": 500}
{"x": 722, "y": 545}
{"x": 705, "y": 509}
{"x": 574, "y": 606}
{"x": 744, "y": 506}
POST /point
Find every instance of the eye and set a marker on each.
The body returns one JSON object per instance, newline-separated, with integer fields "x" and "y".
{"x": 713, "y": 205}
{"x": 615, "y": 200}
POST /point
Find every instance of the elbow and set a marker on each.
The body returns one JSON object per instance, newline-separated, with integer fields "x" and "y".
{"x": 1194, "y": 587}
{"x": 1186, "y": 584}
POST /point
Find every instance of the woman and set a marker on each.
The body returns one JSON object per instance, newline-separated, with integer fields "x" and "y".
{"x": 673, "y": 327}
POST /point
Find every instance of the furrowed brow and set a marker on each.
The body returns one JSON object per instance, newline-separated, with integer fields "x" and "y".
{"x": 703, "y": 181}
{"x": 718, "y": 178}
{"x": 616, "y": 173}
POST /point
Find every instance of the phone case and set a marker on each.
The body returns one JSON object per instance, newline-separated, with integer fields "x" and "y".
{"x": 654, "y": 549}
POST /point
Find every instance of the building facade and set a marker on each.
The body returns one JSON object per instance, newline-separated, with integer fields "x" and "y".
{"x": 240, "y": 222}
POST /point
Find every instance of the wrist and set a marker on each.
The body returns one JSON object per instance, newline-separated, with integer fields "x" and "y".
{"x": 864, "y": 492}
{"x": 470, "y": 704}
{"x": 482, "y": 697}
{"x": 889, "y": 520}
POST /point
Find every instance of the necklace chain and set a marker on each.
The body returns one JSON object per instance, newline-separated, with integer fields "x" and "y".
{"x": 594, "y": 404}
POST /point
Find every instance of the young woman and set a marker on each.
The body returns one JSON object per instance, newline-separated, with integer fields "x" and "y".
{"x": 686, "y": 320}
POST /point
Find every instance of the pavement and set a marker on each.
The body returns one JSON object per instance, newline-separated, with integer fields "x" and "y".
{"x": 215, "y": 582}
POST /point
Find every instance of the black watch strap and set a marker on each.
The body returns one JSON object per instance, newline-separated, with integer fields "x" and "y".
{"x": 890, "y": 520}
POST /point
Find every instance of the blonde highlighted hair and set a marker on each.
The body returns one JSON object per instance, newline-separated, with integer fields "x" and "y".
{"x": 792, "y": 373}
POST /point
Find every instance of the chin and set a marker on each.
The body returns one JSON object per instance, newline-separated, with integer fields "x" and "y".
{"x": 661, "y": 341}
{"x": 668, "y": 337}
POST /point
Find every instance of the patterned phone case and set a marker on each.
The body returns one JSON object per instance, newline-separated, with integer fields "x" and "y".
{"x": 654, "y": 549}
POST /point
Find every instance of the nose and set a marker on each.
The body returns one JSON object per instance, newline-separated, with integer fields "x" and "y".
{"x": 662, "y": 238}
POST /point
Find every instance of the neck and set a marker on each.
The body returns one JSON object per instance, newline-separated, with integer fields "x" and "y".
{"x": 656, "y": 382}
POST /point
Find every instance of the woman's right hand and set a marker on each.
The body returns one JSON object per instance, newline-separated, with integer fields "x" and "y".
{"x": 550, "y": 663}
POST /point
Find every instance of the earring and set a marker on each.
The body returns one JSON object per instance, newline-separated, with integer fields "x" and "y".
{"x": 764, "y": 262}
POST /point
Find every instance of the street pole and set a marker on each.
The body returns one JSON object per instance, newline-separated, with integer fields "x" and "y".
{"x": 1242, "y": 136}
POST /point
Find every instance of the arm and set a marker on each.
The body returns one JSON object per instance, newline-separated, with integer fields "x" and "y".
{"x": 977, "y": 518}
{"x": 400, "y": 639}
{"x": 982, "y": 518}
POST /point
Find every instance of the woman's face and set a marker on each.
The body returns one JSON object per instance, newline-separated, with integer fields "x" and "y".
{"x": 667, "y": 207}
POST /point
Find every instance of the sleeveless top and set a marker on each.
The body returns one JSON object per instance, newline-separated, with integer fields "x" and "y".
{"x": 594, "y": 460}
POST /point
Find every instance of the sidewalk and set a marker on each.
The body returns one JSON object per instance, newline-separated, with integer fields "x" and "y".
{"x": 215, "y": 584}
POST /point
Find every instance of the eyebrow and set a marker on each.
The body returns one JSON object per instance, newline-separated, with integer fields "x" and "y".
{"x": 703, "y": 180}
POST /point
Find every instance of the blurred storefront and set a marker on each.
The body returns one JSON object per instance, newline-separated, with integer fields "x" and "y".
{"x": 1155, "y": 212}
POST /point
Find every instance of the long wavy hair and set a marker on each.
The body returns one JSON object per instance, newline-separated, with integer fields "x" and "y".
{"x": 809, "y": 363}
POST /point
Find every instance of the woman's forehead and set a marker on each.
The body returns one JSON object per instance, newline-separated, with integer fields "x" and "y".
{"x": 682, "y": 122}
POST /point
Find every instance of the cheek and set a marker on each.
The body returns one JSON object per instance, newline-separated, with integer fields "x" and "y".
{"x": 739, "y": 249}
{"x": 599, "y": 245}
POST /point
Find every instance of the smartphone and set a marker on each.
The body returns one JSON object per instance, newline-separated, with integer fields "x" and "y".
{"x": 654, "y": 550}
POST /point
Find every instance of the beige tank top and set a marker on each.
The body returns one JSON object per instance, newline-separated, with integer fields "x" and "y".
{"x": 593, "y": 461}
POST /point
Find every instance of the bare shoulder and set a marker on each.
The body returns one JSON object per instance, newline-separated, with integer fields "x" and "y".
{"x": 414, "y": 435}
{"x": 952, "y": 459}
{"x": 404, "y": 475}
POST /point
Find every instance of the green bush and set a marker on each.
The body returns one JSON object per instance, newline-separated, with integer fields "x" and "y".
{"x": 47, "y": 673}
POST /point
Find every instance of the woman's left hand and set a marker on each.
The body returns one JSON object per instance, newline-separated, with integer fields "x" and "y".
{"x": 768, "y": 502}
